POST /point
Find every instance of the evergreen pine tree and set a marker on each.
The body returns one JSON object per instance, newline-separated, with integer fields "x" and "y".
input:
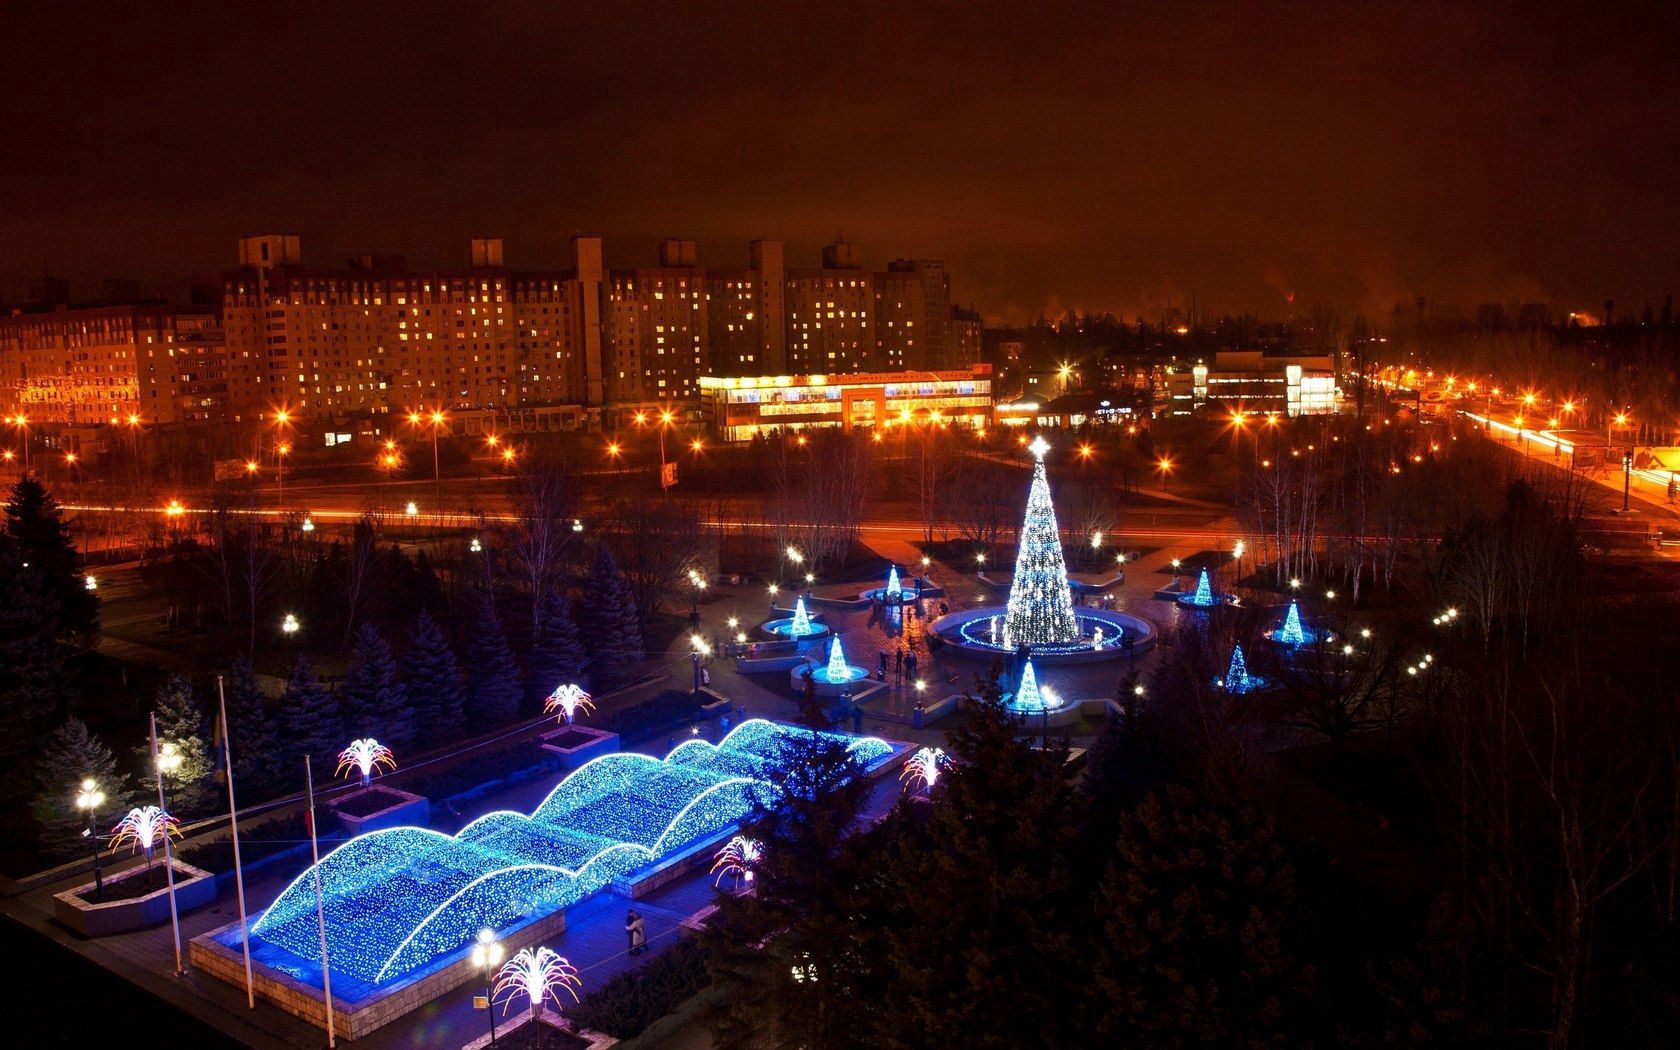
{"x": 493, "y": 691}
{"x": 375, "y": 702}
{"x": 35, "y": 523}
{"x": 180, "y": 722}
{"x": 612, "y": 632}
{"x": 557, "y": 655}
{"x": 258, "y": 765}
{"x": 311, "y": 720}
{"x": 71, "y": 755}
{"x": 433, "y": 681}
{"x": 32, "y": 676}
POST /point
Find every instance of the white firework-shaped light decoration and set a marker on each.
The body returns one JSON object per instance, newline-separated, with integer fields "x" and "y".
{"x": 739, "y": 857}
{"x": 924, "y": 767}
{"x": 365, "y": 756}
{"x": 143, "y": 828}
{"x": 537, "y": 974}
{"x": 568, "y": 699}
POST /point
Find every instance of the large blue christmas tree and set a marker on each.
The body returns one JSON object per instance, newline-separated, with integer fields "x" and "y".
{"x": 1040, "y": 610}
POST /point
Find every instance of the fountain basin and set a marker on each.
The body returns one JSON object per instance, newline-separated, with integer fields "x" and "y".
{"x": 828, "y": 684}
{"x": 968, "y": 633}
{"x": 782, "y": 630}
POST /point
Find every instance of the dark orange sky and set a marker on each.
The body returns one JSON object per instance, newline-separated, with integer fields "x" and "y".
{"x": 1097, "y": 156}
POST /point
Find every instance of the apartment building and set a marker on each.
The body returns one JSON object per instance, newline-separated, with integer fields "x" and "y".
{"x": 100, "y": 364}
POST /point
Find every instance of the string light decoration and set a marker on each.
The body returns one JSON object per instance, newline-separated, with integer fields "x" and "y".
{"x": 1204, "y": 590}
{"x": 568, "y": 699}
{"x": 837, "y": 669}
{"x": 143, "y": 828}
{"x": 1291, "y": 634}
{"x": 923, "y": 767}
{"x": 895, "y": 591}
{"x": 365, "y": 756}
{"x": 537, "y": 974}
{"x": 399, "y": 898}
{"x": 1029, "y": 696}
{"x": 1237, "y": 680}
{"x": 739, "y": 859}
{"x": 1040, "y": 609}
{"x": 801, "y": 625}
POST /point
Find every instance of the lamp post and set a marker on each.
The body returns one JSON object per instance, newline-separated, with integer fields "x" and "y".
{"x": 486, "y": 956}
{"x": 1627, "y": 477}
{"x": 89, "y": 799}
{"x": 700, "y": 649}
{"x": 696, "y": 583}
{"x": 21, "y": 421}
{"x": 168, "y": 763}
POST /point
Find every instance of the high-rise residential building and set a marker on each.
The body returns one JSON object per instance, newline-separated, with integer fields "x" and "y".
{"x": 830, "y": 315}
{"x": 913, "y": 315}
{"x": 967, "y": 337}
{"x": 375, "y": 336}
{"x": 102, "y": 364}
{"x": 658, "y": 328}
{"x": 747, "y": 314}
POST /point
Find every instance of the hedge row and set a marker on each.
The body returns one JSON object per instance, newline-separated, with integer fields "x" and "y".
{"x": 660, "y": 714}
{"x": 464, "y": 776}
{"x": 625, "y": 1006}
{"x": 255, "y": 842}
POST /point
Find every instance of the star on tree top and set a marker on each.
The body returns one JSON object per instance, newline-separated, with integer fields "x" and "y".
{"x": 1039, "y": 446}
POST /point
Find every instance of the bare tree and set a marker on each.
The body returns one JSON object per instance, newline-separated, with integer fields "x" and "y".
{"x": 539, "y": 539}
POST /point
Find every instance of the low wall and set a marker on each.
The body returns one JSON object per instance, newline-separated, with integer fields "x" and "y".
{"x": 354, "y": 1020}
{"x": 194, "y": 888}
{"x": 600, "y": 743}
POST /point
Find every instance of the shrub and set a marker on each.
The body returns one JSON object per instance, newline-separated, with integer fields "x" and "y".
{"x": 628, "y": 1004}
{"x": 255, "y": 842}
{"x": 661, "y": 713}
{"x": 464, "y": 776}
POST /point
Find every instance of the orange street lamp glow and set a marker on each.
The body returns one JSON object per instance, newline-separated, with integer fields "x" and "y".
{"x": 174, "y": 509}
{"x": 133, "y": 420}
{"x": 250, "y": 466}
{"x": 665, "y": 416}
{"x": 508, "y": 455}
{"x": 284, "y": 450}
{"x": 697, "y": 445}
{"x": 282, "y": 417}
{"x": 612, "y": 448}
{"x": 437, "y": 418}
{"x": 1085, "y": 451}
{"x": 390, "y": 445}
{"x": 69, "y": 457}
{"x": 414, "y": 417}
{"x": 1569, "y": 406}
{"x": 491, "y": 439}
{"x": 1621, "y": 419}
{"x": 641, "y": 418}
{"x": 1528, "y": 399}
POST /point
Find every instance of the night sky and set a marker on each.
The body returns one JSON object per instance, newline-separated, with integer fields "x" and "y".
{"x": 1098, "y": 157}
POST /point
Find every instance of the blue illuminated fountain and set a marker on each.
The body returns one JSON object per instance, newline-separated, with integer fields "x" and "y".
{"x": 1204, "y": 596}
{"x": 1040, "y": 616}
{"x": 1293, "y": 634}
{"x": 896, "y": 592}
{"x": 799, "y": 627}
{"x": 834, "y": 678}
{"x": 400, "y": 899}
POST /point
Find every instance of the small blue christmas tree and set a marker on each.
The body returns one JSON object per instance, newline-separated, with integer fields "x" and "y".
{"x": 1204, "y": 590}
{"x": 1236, "y": 679}
{"x": 837, "y": 669}
{"x": 1292, "y": 633}
{"x": 801, "y": 625}
{"x": 894, "y": 590}
{"x": 1027, "y": 695}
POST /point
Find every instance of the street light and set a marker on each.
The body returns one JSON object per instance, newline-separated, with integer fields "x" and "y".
{"x": 486, "y": 956}
{"x": 290, "y": 625}
{"x": 168, "y": 763}
{"x": 89, "y": 799}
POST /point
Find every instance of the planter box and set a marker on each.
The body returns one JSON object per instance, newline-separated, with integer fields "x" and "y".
{"x": 574, "y": 745}
{"x": 593, "y": 1040}
{"x": 404, "y": 808}
{"x": 77, "y": 909}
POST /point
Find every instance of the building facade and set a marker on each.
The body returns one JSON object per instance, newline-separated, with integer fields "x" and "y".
{"x": 738, "y": 408}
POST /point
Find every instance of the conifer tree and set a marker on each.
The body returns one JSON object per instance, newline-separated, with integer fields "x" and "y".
{"x": 312, "y": 722}
{"x": 433, "y": 682}
{"x": 71, "y": 755}
{"x": 557, "y": 654}
{"x": 32, "y": 675}
{"x": 374, "y": 700}
{"x": 253, "y": 736}
{"x": 180, "y": 723}
{"x": 612, "y": 632}
{"x": 492, "y": 676}
{"x": 35, "y": 524}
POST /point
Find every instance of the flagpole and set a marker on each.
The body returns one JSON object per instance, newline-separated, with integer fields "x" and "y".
{"x": 233, "y": 822}
{"x": 168, "y": 853}
{"x": 320, "y": 910}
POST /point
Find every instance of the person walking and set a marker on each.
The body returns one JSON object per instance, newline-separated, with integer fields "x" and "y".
{"x": 898, "y": 662}
{"x": 631, "y": 919}
{"x": 638, "y": 935}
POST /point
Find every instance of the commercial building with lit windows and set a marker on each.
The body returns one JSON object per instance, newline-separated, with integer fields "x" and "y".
{"x": 1249, "y": 380}
{"x": 738, "y": 408}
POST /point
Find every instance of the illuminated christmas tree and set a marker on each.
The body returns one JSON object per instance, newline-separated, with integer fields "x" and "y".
{"x": 801, "y": 625}
{"x": 894, "y": 590}
{"x": 1040, "y": 610}
{"x": 837, "y": 671}
{"x": 1204, "y": 590}
{"x": 1292, "y": 633}
{"x": 1236, "y": 679}
{"x": 1027, "y": 695}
